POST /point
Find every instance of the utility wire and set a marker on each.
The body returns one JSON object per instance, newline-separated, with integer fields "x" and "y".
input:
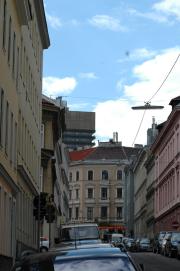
{"x": 139, "y": 127}
{"x": 154, "y": 96}
{"x": 165, "y": 78}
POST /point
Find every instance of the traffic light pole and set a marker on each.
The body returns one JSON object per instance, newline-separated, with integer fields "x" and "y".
{"x": 49, "y": 235}
{"x": 39, "y": 224}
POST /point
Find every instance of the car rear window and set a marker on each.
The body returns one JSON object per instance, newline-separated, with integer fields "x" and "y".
{"x": 80, "y": 233}
{"x": 98, "y": 264}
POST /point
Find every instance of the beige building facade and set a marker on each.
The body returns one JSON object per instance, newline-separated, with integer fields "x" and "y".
{"x": 96, "y": 194}
{"x": 23, "y": 36}
{"x": 96, "y": 184}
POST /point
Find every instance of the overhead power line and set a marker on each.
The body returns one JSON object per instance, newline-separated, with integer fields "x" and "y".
{"x": 165, "y": 78}
{"x": 149, "y": 101}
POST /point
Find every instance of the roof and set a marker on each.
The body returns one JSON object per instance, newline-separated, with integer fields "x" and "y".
{"x": 107, "y": 153}
{"x": 80, "y": 155}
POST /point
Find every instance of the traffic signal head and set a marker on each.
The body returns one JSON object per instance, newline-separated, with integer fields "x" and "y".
{"x": 50, "y": 213}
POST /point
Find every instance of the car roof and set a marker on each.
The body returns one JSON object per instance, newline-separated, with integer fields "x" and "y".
{"x": 81, "y": 246}
{"x": 79, "y": 225}
{"x": 78, "y": 253}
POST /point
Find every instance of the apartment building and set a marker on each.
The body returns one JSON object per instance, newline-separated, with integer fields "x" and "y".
{"x": 166, "y": 150}
{"x": 54, "y": 162}
{"x": 23, "y": 37}
{"x": 96, "y": 184}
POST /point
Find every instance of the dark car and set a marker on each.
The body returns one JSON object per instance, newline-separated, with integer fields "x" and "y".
{"x": 145, "y": 245}
{"x": 157, "y": 242}
{"x": 96, "y": 259}
{"x": 130, "y": 245}
{"x": 171, "y": 244}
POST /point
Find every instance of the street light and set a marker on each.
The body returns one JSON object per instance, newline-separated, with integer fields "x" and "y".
{"x": 147, "y": 106}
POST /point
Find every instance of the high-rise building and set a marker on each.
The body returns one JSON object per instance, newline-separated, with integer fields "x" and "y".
{"x": 80, "y": 129}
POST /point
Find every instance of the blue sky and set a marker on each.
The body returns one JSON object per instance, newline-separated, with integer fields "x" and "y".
{"x": 109, "y": 55}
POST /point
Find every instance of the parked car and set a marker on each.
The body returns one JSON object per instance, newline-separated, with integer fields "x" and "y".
{"x": 44, "y": 244}
{"x": 137, "y": 242}
{"x": 116, "y": 238}
{"x": 145, "y": 245}
{"x": 157, "y": 242}
{"x": 96, "y": 259}
{"x": 178, "y": 250}
{"x": 171, "y": 244}
{"x": 130, "y": 244}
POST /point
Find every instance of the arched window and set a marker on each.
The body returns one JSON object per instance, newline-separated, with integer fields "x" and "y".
{"x": 119, "y": 174}
{"x": 77, "y": 175}
{"x": 104, "y": 175}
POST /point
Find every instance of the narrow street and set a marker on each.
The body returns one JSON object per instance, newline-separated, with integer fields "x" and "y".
{"x": 156, "y": 262}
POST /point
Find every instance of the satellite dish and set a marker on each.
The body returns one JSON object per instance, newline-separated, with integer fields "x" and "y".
{"x": 147, "y": 106}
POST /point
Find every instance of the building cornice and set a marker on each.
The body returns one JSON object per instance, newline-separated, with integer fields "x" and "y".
{"x": 159, "y": 140}
{"x": 27, "y": 179}
{"x": 42, "y": 24}
{"x": 9, "y": 180}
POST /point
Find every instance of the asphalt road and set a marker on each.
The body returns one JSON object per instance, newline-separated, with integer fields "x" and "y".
{"x": 156, "y": 262}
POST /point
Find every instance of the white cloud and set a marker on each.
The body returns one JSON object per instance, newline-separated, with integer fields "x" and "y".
{"x": 154, "y": 16}
{"x": 117, "y": 115}
{"x": 88, "y": 75}
{"x": 53, "y": 86}
{"x": 107, "y": 22}
{"x": 53, "y": 21}
{"x": 138, "y": 54}
{"x": 170, "y": 7}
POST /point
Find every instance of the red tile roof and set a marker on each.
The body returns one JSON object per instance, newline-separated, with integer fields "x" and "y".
{"x": 81, "y": 154}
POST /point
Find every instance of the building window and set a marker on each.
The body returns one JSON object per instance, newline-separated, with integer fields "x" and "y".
{"x": 90, "y": 175}
{"x": 1, "y": 113}
{"x": 4, "y": 23}
{"x": 90, "y": 193}
{"x": 119, "y": 175}
{"x": 104, "y": 193}
{"x": 70, "y": 213}
{"x": 119, "y": 212}
{"x": 11, "y": 142}
{"x": 77, "y": 212}
{"x": 59, "y": 153}
{"x": 9, "y": 40}
{"x": 103, "y": 212}
{"x": 119, "y": 193}
{"x": 70, "y": 177}
{"x": 70, "y": 194}
{"x": 7, "y": 126}
{"x": 89, "y": 213}
{"x": 77, "y": 175}
{"x": 77, "y": 193}
{"x": 104, "y": 175}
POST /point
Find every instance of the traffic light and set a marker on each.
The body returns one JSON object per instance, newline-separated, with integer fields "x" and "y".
{"x": 39, "y": 203}
{"x": 50, "y": 213}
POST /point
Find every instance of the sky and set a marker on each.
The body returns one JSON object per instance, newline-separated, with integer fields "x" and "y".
{"x": 109, "y": 55}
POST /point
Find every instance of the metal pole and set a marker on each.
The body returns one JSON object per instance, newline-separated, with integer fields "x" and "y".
{"x": 49, "y": 235}
{"x": 39, "y": 224}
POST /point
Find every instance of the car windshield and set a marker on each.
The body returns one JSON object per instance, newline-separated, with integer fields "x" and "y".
{"x": 80, "y": 233}
{"x": 145, "y": 241}
{"x": 98, "y": 264}
{"x": 176, "y": 236}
